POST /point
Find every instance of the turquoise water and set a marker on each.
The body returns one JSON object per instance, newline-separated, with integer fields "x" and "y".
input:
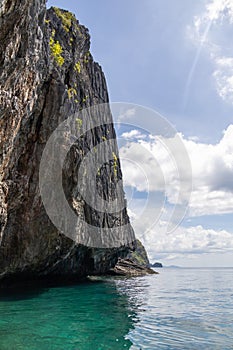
{"x": 177, "y": 309}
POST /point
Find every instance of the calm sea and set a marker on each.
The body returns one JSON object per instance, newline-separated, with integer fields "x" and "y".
{"x": 177, "y": 309}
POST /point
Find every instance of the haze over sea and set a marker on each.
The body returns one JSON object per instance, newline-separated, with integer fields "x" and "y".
{"x": 177, "y": 309}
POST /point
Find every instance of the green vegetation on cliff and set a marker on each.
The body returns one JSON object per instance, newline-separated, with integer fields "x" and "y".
{"x": 66, "y": 17}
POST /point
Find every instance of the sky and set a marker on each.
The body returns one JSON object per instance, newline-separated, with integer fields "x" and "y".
{"x": 176, "y": 58}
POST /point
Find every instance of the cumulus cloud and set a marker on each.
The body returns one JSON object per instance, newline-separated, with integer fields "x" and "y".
{"x": 133, "y": 134}
{"x": 191, "y": 241}
{"x": 224, "y": 77}
{"x": 217, "y": 14}
{"x": 217, "y": 10}
{"x": 185, "y": 242}
{"x": 148, "y": 165}
{"x": 126, "y": 115}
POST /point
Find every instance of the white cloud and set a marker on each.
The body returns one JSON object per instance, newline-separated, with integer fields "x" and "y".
{"x": 218, "y": 9}
{"x": 188, "y": 242}
{"x": 133, "y": 134}
{"x": 149, "y": 166}
{"x": 141, "y": 168}
{"x": 212, "y": 175}
{"x": 125, "y": 115}
{"x": 224, "y": 77}
{"x": 191, "y": 240}
{"x": 218, "y": 13}
{"x": 184, "y": 244}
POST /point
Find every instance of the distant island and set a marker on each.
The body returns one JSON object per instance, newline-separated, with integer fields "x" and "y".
{"x": 156, "y": 264}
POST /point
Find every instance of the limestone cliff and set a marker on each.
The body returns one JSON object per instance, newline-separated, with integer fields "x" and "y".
{"x": 136, "y": 263}
{"x": 46, "y": 73}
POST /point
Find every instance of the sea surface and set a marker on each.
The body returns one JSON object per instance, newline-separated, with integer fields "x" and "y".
{"x": 177, "y": 309}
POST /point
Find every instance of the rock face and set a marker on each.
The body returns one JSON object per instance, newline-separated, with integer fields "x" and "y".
{"x": 139, "y": 255}
{"x": 136, "y": 263}
{"x": 46, "y": 74}
{"x": 130, "y": 268}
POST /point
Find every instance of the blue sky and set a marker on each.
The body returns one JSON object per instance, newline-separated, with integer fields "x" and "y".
{"x": 176, "y": 57}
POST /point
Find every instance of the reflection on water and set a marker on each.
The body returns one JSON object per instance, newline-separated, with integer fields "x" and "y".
{"x": 178, "y": 309}
{"x": 181, "y": 309}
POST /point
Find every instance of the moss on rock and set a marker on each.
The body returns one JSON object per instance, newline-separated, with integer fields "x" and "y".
{"x": 56, "y": 50}
{"x": 66, "y": 17}
{"x": 139, "y": 255}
